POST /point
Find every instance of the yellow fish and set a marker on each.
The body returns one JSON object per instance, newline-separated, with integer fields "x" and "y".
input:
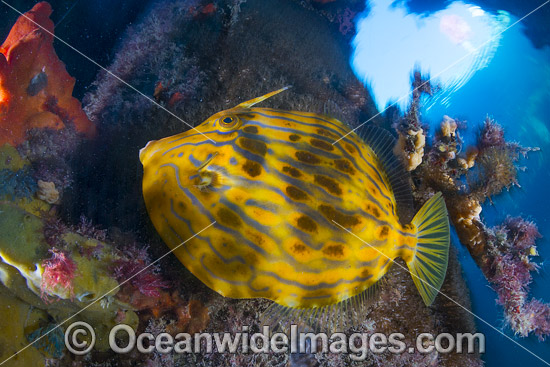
{"x": 280, "y": 187}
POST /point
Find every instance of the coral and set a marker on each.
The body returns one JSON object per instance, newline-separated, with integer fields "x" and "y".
{"x": 49, "y": 152}
{"x": 346, "y": 21}
{"x": 47, "y": 192}
{"x": 135, "y": 265}
{"x": 496, "y": 161}
{"x": 35, "y": 88}
{"x": 448, "y": 127}
{"x": 507, "y": 265}
{"x": 491, "y": 135}
{"x": 466, "y": 181}
{"x": 83, "y": 267}
{"x": 86, "y": 228}
{"x": 53, "y": 229}
{"x": 68, "y": 280}
{"x": 188, "y": 316}
{"x": 59, "y": 271}
{"x": 152, "y": 46}
{"x": 410, "y": 145}
{"x": 411, "y": 136}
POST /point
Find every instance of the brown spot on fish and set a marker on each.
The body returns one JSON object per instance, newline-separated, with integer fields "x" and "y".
{"x": 407, "y": 227}
{"x": 250, "y": 258}
{"x": 294, "y": 172}
{"x": 254, "y": 146}
{"x": 295, "y": 193}
{"x": 383, "y": 233}
{"x": 334, "y": 250}
{"x": 365, "y": 273}
{"x": 322, "y": 144}
{"x": 331, "y": 185}
{"x": 307, "y": 157}
{"x": 345, "y": 166}
{"x": 307, "y": 224}
{"x": 252, "y": 168}
{"x": 250, "y": 129}
{"x": 227, "y": 217}
{"x": 373, "y": 210}
{"x": 299, "y": 248}
{"x": 326, "y": 133}
{"x": 334, "y": 215}
{"x": 182, "y": 206}
{"x": 256, "y": 238}
{"x": 350, "y": 148}
{"x": 294, "y": 137}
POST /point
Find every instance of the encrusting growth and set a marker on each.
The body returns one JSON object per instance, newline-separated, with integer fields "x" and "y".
{"x": 467, "y": 178}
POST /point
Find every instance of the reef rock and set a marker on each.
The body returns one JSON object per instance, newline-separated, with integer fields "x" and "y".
{"x": 35, "y": 88}
{"x": 22, "y": 319}
{"x": 62, "y": 282}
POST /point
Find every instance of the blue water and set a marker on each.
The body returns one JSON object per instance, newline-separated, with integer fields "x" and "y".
{"x": 514, "y": 89}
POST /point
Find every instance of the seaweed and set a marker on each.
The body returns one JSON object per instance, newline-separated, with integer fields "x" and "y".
{"x": 507, "y": 264}
{"x": 59, "y": 271}
{"x": 467, "y": 178}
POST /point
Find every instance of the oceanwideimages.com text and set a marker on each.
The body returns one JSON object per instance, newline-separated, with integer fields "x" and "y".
{"x": 123, "y": 339}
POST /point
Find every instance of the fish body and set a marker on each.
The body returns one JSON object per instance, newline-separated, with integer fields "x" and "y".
{"x": 280, "y": 190}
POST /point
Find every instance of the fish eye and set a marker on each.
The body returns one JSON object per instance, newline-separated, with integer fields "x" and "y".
{"x": 229, "y": 122}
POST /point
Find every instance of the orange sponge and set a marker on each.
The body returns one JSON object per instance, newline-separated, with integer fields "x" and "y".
{"x": 35, "y": 88}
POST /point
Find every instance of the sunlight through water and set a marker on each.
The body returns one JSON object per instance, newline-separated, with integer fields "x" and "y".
{"x": 450, "y": 45}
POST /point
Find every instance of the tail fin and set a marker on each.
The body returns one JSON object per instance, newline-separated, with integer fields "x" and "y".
{"x": 429, "y": 263}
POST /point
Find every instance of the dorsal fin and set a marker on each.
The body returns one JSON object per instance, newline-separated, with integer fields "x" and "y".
{"x": 252, "y": 102}
{"x": 382, "y": 143}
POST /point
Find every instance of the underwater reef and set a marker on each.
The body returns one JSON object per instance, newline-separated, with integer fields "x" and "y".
{"x": 200, "y": 64}
{"x": 467, "y": 177}
{"x": 74, "y": 233}
{"x": 53, "y": 269}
